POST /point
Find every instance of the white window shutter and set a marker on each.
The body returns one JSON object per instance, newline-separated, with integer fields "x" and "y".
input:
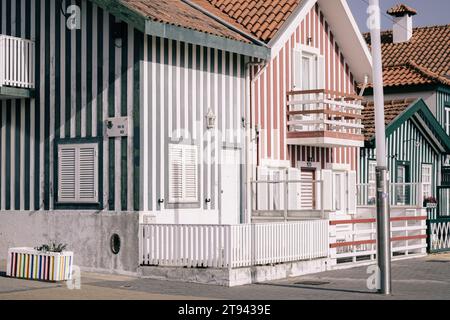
{"x": 352, "y": 192}
{"x": 78, "y": 173}
{"x": 297, "y": 69}
{"x": 262, "y": 188}
{"x": 327, "y": 180}
{"x": 183, "y": 173}
{"x": 175, "y": 173}
{"x": 67, "y": 174}
{"x": 87, "y": 159}
{"x": 190, "y": 174}
{"x": 320, "y": 72}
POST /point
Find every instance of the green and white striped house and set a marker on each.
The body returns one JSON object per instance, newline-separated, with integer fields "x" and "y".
{"x": 108, "y": 107}
{"x": 417, "y": 107}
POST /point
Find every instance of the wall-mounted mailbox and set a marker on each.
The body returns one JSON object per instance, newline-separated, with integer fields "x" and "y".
{"x": 117, "y": 127}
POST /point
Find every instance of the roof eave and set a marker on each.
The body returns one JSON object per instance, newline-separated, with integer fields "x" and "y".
{"x": 173, "y": 32}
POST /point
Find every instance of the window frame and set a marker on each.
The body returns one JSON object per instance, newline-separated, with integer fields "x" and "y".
{"x": 98, "y": 205}
{"x": 317, "y": 64}
{"x": 184, "y": 200}
{"x": 430, "y": 183}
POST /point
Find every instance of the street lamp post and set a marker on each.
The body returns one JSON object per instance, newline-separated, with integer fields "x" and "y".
{"x": 383, "y": 210}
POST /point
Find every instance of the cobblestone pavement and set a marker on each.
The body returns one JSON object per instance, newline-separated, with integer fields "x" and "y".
{"x": 422, "y": 278}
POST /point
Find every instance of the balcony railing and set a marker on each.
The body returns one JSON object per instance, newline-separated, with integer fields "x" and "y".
{"x": 17, "y": 62}
{"x": 324, "y": 118}
{"x": 400, "y": 195}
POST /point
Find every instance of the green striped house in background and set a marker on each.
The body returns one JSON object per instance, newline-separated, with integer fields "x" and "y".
{"x": 417, "y": 93}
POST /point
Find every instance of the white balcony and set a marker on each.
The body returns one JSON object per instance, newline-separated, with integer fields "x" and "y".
{"x": 17, "y": 67}
{"x": 324, "y": 118}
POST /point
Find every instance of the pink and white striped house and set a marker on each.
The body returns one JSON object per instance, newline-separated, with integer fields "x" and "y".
{"x": 305, "y": 111}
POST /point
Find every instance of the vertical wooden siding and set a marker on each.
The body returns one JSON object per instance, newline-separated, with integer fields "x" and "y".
{"x": 183, "y": 82}
{"x": 82, "y": 77}
{"x": 401, "y": 146}
{"x": 269, "y": 92}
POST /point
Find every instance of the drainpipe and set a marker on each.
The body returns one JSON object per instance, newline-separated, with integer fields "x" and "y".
{"x": 366, "y": 82}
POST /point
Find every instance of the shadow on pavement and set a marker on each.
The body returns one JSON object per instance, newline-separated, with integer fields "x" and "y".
{"x": 316, "y": 288}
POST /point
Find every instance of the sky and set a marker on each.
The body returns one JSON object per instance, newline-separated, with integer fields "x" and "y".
{"x": 429, "y": 12}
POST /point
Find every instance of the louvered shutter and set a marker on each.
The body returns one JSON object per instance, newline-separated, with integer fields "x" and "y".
{"x": 320, "y": 72}
{"x": 190, "y": 174}
{"x": 352, "y": 191}
{"x": 175, "y": 173}
{"x": 87, "y": 181}
{"x": 67, "y": 174}
{"x": 327, "y": 178}
{"x": 77, "y": 173}
{"x": 297, "y": 69}
{"x": 183, "y": 173}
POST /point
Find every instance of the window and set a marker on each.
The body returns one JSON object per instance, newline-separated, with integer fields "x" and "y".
{"x": 78, "y": 173}
{"x": 427, "y": 170}
{"x": 183, "y": 173}
{"x": 308, "y": 74}
{"x": 309, "y": 69}
{"x": 447, "y": 119}
{"x": 372, "y": 182}
{"x": 402, "y": 186}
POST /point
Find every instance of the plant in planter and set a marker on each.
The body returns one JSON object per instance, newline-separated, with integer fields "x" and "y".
{"x": 48, "y": 262}
{"x": 430, "y": 202}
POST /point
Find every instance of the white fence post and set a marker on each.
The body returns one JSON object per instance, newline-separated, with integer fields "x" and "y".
{"x": 230, "y": 246}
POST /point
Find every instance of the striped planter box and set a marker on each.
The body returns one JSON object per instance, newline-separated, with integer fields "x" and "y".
{"x": 29, "y": 263}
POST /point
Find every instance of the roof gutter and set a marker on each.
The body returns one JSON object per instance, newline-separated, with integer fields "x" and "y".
{"x": 226, "y": 24}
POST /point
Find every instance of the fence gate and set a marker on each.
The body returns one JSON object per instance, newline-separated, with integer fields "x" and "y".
{"x": 439, "y": 225}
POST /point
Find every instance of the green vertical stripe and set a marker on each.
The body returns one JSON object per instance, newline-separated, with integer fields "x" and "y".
{"x": 37, "y": 106}
{"x": 78, "y": 78}
{"x": 8, "y": 156}
{"x": 138, "y": 56}
{"x": 123, "y": 113}
{"x": 17, "y": 128}
{"x": 89, "y": 54}
{"x": 47, "y": 107}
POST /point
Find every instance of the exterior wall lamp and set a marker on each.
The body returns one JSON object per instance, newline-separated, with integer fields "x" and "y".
{"x": 210, "y": 119}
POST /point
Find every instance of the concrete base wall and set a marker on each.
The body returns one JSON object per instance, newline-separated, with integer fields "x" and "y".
{"x": 87, "y": 234}
{"x": 235, "y": 277}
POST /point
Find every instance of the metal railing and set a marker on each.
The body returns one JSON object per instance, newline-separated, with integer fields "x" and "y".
{"x": 287, "y": 195}
{"x": 400, "y": 195}
{"x": 17, "y": 62}
{"x": 324, "y": 110}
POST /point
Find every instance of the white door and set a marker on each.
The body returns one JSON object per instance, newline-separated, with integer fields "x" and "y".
{"x": 230, "y": 190}
{"x": 307, "y": 199}
{"x": 339, "y": 196}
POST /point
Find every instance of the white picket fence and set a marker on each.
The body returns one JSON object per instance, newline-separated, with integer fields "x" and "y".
{"x": 353, "y": 240}
{"x": 17, "y": 62}
{"x": 232, "y": 246}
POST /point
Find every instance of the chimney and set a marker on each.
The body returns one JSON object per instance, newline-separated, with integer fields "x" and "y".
{"x": 402, "y": 30}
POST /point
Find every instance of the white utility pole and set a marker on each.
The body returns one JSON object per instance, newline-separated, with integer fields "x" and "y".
{"x": 382, "y": 186}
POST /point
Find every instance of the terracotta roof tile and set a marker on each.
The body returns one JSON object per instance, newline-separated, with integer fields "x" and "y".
{"x": 261, "y": 18}
{"x": 426, "y": 55}
{"x": 401, "y": 9}
{"x": 178, "y": 13}
{"x": 392, "y": 109}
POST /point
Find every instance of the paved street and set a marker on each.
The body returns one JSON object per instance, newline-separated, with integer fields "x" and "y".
{"x": 423, "y": 278}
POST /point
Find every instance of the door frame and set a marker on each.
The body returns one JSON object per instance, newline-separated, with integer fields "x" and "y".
{"x": 240, "y": 182}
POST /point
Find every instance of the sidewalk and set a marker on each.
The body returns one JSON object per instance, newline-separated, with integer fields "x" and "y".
{"x": 423, "y": 278}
